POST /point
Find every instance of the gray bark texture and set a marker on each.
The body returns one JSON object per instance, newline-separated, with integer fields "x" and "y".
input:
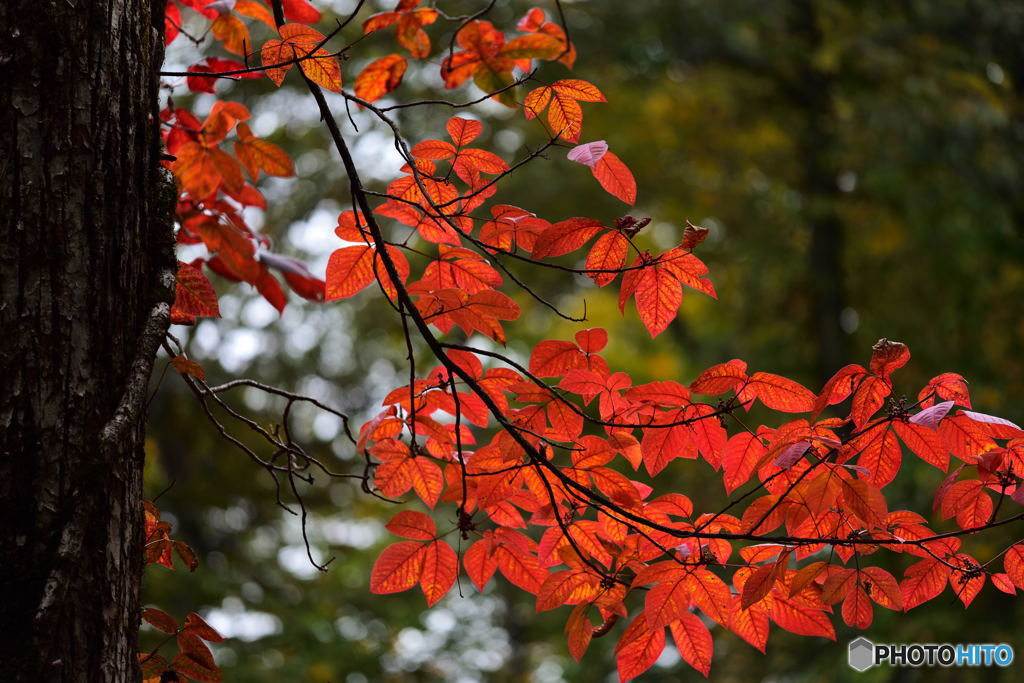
{"x": 86, "y": 276}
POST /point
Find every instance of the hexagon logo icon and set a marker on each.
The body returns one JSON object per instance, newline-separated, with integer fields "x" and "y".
{"x": 862, "y": 654}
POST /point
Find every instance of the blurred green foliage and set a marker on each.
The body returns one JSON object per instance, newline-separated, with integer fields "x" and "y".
{"x": 860, "y": 166}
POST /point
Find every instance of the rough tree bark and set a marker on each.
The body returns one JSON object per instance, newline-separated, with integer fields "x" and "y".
{"x": 85, "y": 254}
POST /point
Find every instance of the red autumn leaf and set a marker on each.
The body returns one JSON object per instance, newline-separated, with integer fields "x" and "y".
{"x": 412, "y": 524}
{"x": 193, "y": 294}
{"x": 888, "y": 356}
{"x": 693, "y": 640}
{"x": 1013, "y": 564}
{"x": 409, "y": 18}
{"x": 565, "y": 236}
{"x": 160, "y": 620}
{"x": 195, "y": 625}
{"x": 923, "y": 581}
{"x": 300, "y": 43}
{"x": 638, "y": 648}
{"x": 480, "y": 563}
{"x": 189, "y": 367}
{"x": 780, "y": 393}
{"x": 578, "y": 631}
{"x": 719, "y": 379}
{"x": 606, "y": 257}
{"x": 199, "y": 83}
{"x": 924, "y": 442}
{"x": 300, "y": 11}
{"x": 552, "y": 358}
{"x": 615, "y": 177}
{"x": 658, "y": 297}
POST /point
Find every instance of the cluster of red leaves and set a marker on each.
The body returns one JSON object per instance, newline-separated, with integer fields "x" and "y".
{"x": 555, "y": 499}
{"x": 212, "y": 193}
{"x": 820, "y": 481}
{"x": 194, "y": 660}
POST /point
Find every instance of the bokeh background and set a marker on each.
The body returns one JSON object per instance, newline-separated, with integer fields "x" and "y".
{"x": 861, "y": 168}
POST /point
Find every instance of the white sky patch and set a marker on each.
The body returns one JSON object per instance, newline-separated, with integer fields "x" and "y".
{"x": 239, "y": 348}
{"x": 233, "y": 620}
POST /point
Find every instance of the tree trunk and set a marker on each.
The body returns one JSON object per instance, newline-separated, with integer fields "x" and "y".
{"x": 85, "y": 257}
{"x": 817, "y": 147}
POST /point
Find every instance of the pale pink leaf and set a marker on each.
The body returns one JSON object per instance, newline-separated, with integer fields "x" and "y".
{"x": 789, "y": 457}
{"x": 588, "y": 154}
{"x": 930, "y": 417}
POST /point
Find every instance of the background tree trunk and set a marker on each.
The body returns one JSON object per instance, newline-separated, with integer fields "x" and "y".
{"x": 85, "y": 253}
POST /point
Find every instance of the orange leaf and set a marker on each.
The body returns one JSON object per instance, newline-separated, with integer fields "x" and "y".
{"x": 256, "y": 154}
{"x": 578, "y": 90}
{"x": 231, "y": 32}
{"x": 300, "y": 42}
{"x": 426, "y": 479}
{"x": 463, "y": 131}
{"x": 758, "y": 585}
{"x": 380, "y": 77}
{"x": 565, "y": 117}
{"x": 536, "y": 100}
{"x": 534, "y": 46}
{"x": 866, "y": 501}
{"x": 801, "y": 619}
{"x": 274, "y": 51}
{"x": 184, "y": 551}
{"x": 398, "y": 568}
{"x": 189, "y": 367}
{"x": 440, "y": 567}
{"x": 433, "y": 149}
{"x": 880, "y": 453}
{"x": 742, "y": 453}
{"x": 751, "y": 625}
{"x": 521, "y": 568}
{"x": 349, "y": 270}
{"x": 251, "y": 8}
